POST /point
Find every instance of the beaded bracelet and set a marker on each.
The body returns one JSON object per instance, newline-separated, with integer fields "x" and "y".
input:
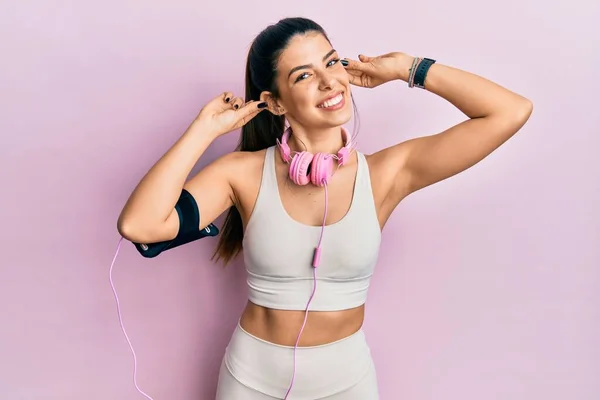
{"x": 412, "y": 71}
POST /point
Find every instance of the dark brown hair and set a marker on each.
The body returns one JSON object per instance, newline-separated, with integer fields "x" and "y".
{"x": 263, "y": 130}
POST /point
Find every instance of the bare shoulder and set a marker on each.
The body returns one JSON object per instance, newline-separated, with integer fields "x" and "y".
{"x": 238, "y": 163}
{"x": 226, "y": 175}
{"x": 245, "y": 162}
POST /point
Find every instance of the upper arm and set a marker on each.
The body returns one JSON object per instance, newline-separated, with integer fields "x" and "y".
{"x": 420, "y": 162}
{"x": 212, "y": 187}
{"x": 212, "y": 190}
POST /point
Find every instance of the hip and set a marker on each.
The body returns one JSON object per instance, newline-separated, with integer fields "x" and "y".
{"x": 317, "y": 371}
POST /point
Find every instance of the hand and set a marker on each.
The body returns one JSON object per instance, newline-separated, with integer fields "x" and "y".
{"x": 226, "y": 113}
{"x": 370, "y": 72}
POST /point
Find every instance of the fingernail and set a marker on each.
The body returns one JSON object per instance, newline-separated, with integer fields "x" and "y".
{"x": 227, "y": 99}
{"x": 261, "y": 105}
{"x": 236, "y": 106}
{"x": 344, "y": 63}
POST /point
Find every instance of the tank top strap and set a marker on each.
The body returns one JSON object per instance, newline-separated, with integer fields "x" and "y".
{"x": 269, "y": 177}
{"x": 363, "y": 185}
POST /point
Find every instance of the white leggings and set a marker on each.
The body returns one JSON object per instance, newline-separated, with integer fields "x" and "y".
{"x": 254, "y": 369}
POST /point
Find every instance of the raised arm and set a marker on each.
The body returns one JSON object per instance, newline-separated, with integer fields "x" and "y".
{"x": 494, "y": 114}
{"x": 149, "y": 215}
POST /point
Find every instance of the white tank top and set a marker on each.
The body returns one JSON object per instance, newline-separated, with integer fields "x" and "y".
{"x": 278, "y": 250}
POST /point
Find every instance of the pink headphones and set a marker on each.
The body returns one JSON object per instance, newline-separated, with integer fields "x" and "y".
{"x": 317, "y": 169}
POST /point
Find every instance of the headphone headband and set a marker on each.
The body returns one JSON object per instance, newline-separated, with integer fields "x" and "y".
{"x": 342, "y": 154}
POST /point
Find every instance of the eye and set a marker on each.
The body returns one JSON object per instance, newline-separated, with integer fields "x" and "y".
{"x": 301, "y": 76}
{"x": 333, "y": 62}
{"x": 306, "y": 74}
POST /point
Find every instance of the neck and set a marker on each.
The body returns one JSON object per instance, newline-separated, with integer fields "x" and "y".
{"x": 328, "y": 140}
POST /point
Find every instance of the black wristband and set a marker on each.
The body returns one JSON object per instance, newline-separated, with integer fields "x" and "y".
{"x": 421, "y": 73}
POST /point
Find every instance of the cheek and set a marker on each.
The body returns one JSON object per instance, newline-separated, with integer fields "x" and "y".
{"x": 304, "y": 96}
{"x": 343, "y": 79}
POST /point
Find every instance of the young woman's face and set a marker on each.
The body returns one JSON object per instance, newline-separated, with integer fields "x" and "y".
{"x": 313, "y": 85}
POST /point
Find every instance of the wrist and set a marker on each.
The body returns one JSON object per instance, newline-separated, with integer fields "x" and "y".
{"x": 403, "y": 64}
{"x": 195, "y": 140}
{"x": 201, "y": 128}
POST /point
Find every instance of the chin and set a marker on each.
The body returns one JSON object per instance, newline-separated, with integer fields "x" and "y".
{"x": 343, "y": 117}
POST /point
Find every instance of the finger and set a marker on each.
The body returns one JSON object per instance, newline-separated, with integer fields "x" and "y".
{"x": 221, "y": 102}
{"x": 236, "y": 103}
{"x": 352, "y": 65}
{"x": 354, "y": 80}
{"x": 248, "y": 118}
{"x": 364, "y": 58}
{"x": 354, "y": 72}
{"x": 227, "y": 96}
{"x": 357, "y": 80}
{"x": 242, "y": 122}
{"x": 250, "y": 110}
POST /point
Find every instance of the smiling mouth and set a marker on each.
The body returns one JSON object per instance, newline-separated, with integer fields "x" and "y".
{"x": 332, "y": 102}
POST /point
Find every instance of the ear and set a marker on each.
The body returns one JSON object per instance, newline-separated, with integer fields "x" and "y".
{"x": 272, "y": 104}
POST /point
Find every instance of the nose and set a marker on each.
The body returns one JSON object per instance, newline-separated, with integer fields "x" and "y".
{"x": 327, "y": 81}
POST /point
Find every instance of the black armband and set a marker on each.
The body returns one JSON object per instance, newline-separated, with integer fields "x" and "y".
{"x": 189, "y": 221}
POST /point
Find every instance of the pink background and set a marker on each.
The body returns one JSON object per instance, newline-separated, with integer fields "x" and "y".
{"x": 488, "y": 284}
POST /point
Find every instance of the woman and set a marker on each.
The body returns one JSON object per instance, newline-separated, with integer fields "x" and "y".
{"x": 337, "y": 204}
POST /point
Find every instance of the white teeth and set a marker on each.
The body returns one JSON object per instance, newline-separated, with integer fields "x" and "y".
{"x": 332, "y": 102}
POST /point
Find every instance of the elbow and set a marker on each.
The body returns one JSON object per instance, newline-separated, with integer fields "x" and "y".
{"x": 514, "y": 115}
{"x": 131, "y": 230}
{"x": 144, "y": 231}
{"x": 518, "y": 114}
{"x": 523, "y": 112}
{"x": 134, "y": 233}
{"x": 126, "y": 229}
{"x": 525, "y": 109}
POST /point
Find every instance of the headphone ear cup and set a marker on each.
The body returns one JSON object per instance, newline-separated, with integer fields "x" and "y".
{"x": 322, "y": 169}
{"x": 298, "y": 171}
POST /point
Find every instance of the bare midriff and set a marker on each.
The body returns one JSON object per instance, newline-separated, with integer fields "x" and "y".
{"x": 282, "y": 326}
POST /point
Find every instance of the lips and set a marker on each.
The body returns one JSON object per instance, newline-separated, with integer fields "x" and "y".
{"x": 332, "y": 101}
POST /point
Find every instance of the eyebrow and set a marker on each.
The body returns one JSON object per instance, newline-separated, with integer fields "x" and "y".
{"x": 299, "y": 67}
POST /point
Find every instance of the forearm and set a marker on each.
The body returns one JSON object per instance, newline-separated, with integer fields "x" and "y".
{"x": 154, "y": 198}
{"x": 475, "y": 96}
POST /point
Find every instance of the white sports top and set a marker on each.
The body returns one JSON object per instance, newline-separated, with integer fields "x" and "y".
{"x": 278, "y": 250}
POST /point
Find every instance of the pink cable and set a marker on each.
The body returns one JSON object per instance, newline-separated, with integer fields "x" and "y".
{"x": 316, "y": 260}
{"x": 121, "y": 322}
